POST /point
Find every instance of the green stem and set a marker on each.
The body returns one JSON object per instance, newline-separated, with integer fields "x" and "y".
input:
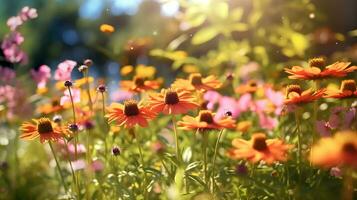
{"x": 297, "y": 114}
{"x": 58, "y": 166}
{"x": 90, "y": 102}
{"x": 214, "y": 159}
{"x": 143, "y": 164}
{"x": 204, "y": 150}
{"x": 72, "y": 170}
{"x": 348, "y": 185}
{"x": 176, "y": 139}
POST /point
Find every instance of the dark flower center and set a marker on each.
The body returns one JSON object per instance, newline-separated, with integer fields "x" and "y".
{"x": 206, "y": 116}
{"x": 55, "y": 103}
{"x": 139, "y": 81}
{"x": 44, "y": 126}
{"x": 196, "y": 79}
{"x": 293, "y": 89}
{"x": 349, "y": 148}
{"x": 252, "y": 83}
{"x": 348, "y": 85}
{"x": 317, "y": 62}
{"x": 171, "y": 97}
{"x": 131, "y": 108}
{"x": 259, "y": 142}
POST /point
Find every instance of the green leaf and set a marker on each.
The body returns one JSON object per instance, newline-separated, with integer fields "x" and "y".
{"x": 204, "y": 35}
{"x": 187, "y": 155}
{"x": 192, "y": 166}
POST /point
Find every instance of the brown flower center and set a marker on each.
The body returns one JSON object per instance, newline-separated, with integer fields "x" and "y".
{"x": 293, "y": 90}
{"x": 171, "y": 97}
{"x": 196, "y": 79}
{"x": 139, "y": 81}
{"x": 348, "y": 85}
{"x": 55, "y": 103}
{"x": 349, "y": 148}
{"x": 259, "y": 142}
{"x": 44, "y": 126}
{"x": 131, "y": 108}
{"x": 252, "y": 83}
{"x": 317, "y": 62}
{"x": 206, "y": 116}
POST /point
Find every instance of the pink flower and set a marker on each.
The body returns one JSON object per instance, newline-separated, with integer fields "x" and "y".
{"x": 28, "y": 13}
{"x": 245, "y": 102}
{"x": 121, "y": 95}
{"x": 41, "y": 76}
{"x": 213, "y": 98}
{"x": 76, "y": 95}
{"x": 97, "y": 165}
{"x": 246, "y": 70}
{"x": 276, "y": 98}
{"x": 336, "y": 172}
{"x": 267, "y": 122}
{"x": 78, "y": 164}
{"x": 228, "y": 104}
{"x": 7, "y": 74}
{"x": 64, "y": 69}
{"x": 323, "y": 128}
{"x": 11, "y": 48}
{"x": 14, "y": 22}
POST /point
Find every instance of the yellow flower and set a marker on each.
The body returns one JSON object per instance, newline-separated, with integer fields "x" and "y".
{"x": 127, "y": 69}
{"x": 106, "y": 28}
{"x": 190, "y": 69}
{"x": 145, "y": 71}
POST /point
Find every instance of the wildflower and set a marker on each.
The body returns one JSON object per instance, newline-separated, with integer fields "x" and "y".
{"x": 316, "y": 70}
{"x": 158, "y": 147}
{"x": 172, "y": 101}
{"x": 241, "y": 170}
{"x": 336, "y": 172}
{"x": 121, "y": 95}
{"x": 139, "y": 84}
{"x": 145, "y": 71}
{"x": 259, "y": 148}
{"x": 341, "y": 149}
{"x": 66, "y": 98}
{"x": 129, "y": 114}
{"x": 51, "y": 107}
{"x": 347, "y": 90}
{"x": 250, "y": 87}
{"x": 205, "y": 121}
{"x": 101, "y": 88}
{"x": 127, "y": 69}
{"x": 294, "y": 95}
{"x": 244, "y": 126}
{"x": 28, "y": 13}
{"x": 106, "y": 28}
{"x": 197, "y": 82}
{"x": 88, "y": 62}
{"x": 14, "y": 22}
{"x": 7, "y": 74}
{"x": 64, "y": 70}
{"x": 43, "y": 128}
{"x": 41, "y": 76}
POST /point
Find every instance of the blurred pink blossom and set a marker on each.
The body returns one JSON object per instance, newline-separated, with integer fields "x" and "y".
{"x": 64, "y": 70}
{"x": 97, "y": 165}
{"x": 14, "y": 22}
{"x": 7, "y": 74}
{"x": 41, "y": 76}
{"x": 76, "y": 95}
{"x": 212, "y": 97}
{"x": 78, "y": 164}
{"x": 28, "y": 13}
{"x": 121, "y": 95}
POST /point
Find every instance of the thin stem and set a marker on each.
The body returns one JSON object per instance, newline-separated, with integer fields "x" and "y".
{"x": 176, "y": 139}
{"x": 90, "y": 102}
{"x": 214, "y": 158}
{"x": 143, "y": 164}
{"x": 348, "y": 185}
{"x": 103, "y": 104}
{"x": 72, "y": 170}
{"x": 204, "y": 150}
{"x": 72, "y": 102}
{"x": 58, "y": 166}
{"x": 299, "y": 140}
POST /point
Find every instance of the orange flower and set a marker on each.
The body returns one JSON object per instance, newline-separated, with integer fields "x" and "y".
{"x": 316, "y": 70}
{"x": 139, "y": 84}
{"x": 205, "y": 121}
{"x": 52, "y": 107}
{"x": 341, "y": 149}
{"x": 171, "y": 101}
{"x": 129, "y": 114}
{"x": 294, "y": 95}
{"x": 43, "y": 128}
{"x": 259, "y": 148}
{"x": 196, "y": 82}
{"x": 347, "y": 90}
{"x": 250, "y": 87}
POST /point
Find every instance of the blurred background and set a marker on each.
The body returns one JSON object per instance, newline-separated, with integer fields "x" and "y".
{"x": 270, "y": 32}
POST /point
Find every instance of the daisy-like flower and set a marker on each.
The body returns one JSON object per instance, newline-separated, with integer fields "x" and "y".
{"x": 139, "y": 84}
{"x": 294, "y": 95}
{"x": 347, "y": 90}
{"x": 316, "y": 70}
{"x": 197, "y": 82}
{"x": 43, "y": 128}
{"x": 129, "y": 114}
{"x": 51, "y": 107}
{"x": 205, "y": 121}
{"x": 250, "y": 87}
{"x": 172, "y": 101}
{"x": 341, "y": 149}
{"x": 259, "y": 148}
